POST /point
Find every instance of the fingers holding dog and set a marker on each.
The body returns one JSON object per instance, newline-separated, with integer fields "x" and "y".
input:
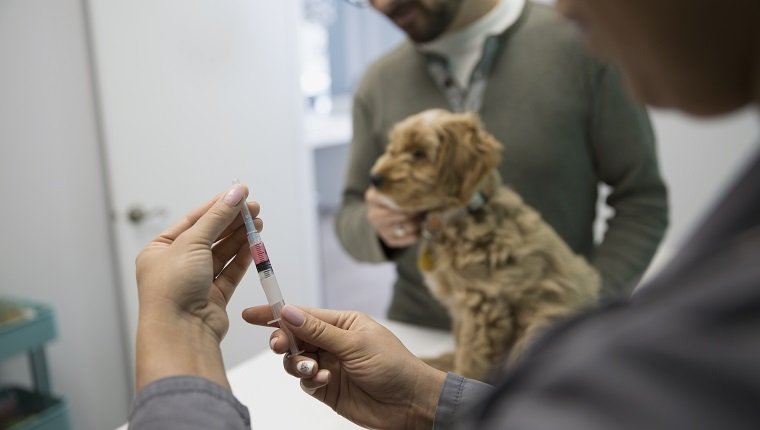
{"x": 400, "y": 234}
{"x": 397, "y": 229}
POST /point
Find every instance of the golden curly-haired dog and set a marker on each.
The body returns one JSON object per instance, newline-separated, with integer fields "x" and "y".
{"x": 501, "y": 271}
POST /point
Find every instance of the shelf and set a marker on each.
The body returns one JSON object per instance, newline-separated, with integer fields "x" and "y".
{"x": 21, "y": 409}
{"x": 25, "y": 328}
{"x": 30, "y": 330}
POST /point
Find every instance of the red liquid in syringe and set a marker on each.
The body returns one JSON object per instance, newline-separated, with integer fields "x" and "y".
{"x": 260, "y": 256}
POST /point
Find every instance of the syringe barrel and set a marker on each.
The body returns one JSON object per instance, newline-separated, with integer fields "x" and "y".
{"x": 248, "y": 220}
{"x": 253, "y": 239}
{"x": 271, "y": 288}
{"x": 277, "y": 309}
{"x": 276, "y": 301}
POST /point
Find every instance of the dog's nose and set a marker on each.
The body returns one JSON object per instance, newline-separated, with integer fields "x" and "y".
{"x": 376, "y": 180}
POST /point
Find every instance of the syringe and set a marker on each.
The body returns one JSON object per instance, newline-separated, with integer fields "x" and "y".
{"x": 266, "y": 275}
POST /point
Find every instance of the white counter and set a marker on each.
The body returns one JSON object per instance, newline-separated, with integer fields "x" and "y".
{"x": 275, "y": 399}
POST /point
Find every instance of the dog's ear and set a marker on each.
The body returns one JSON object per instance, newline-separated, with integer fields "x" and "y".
{"x": 468, "y": 153}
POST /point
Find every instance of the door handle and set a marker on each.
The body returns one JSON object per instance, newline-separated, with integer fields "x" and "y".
{"x": 138, "y": 214}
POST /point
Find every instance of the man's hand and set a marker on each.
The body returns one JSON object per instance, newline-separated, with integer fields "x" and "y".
{"x": 396, "y": 229}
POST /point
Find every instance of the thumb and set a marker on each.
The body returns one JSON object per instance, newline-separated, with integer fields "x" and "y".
{"x": 315, "y": 331}
{"x": 211, "y": 224}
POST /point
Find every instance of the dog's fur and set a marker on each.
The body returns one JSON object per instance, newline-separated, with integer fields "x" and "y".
{"x": 501, "y": 271}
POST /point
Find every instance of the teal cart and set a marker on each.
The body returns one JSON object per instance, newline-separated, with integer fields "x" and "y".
{"x": 25, "y": 328}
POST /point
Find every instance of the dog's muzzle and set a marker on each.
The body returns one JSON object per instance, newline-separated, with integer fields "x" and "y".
{"x": 376, "y": 180}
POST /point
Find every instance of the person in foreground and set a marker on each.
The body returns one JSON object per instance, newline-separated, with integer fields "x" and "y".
{"x": 682, "y": 353}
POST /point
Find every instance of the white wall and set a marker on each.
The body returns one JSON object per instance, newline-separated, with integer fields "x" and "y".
{"x": 55, "y": 244}
{"x": 699, "y": 158}
{"x": 196, "y": 93}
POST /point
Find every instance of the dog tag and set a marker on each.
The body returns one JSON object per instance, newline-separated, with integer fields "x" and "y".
{"x": 433, "y": 223}
{"x": 425, "y": 261}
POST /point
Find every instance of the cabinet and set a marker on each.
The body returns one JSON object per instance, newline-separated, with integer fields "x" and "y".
{"x": 25, "y": 328}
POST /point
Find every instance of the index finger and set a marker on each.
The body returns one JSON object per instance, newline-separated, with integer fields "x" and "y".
{"x": 171, "y": 233}
{"x": 262, "y": 314}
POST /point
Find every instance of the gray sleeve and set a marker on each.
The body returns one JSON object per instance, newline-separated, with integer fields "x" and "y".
{"x": 351, "y": 226}
{"x": 187, "y": 402}
{"x": 626, "y": 157}
{"x": 458, "y": 395}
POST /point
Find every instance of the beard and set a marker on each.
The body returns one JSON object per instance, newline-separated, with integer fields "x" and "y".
{"x": 429, "y": 22}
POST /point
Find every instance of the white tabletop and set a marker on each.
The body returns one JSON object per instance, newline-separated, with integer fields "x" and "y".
{"x": 275, "y": 399}
{"x": 322, "y": 131}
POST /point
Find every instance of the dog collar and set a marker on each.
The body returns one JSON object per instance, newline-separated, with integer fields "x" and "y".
{"x": 434, "y": 220}
{"x": 434, "y": 223}
{"x": 477, "y": 201}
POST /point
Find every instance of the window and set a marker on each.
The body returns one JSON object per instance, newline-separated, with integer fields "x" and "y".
{"x": 338, "y": 42}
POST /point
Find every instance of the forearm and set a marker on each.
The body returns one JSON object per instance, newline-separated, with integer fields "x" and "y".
{"x": 356, "y": 235}
{"x": 168, "y": 346}
{"x": 624, "y": 150}
{"x": 629, "y": 245}
{"x": 423, "y": 404}
{"x": 353, "y": 229}
{"x": 634, "y": 232}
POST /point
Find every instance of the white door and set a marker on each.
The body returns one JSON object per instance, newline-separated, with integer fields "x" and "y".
{"x": 195, "y": 94}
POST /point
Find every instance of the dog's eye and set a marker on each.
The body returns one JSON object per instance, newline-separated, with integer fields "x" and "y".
{"x": 418, "y": 154}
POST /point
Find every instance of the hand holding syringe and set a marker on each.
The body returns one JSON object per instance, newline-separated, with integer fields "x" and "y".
{"x": 266, "y": 275}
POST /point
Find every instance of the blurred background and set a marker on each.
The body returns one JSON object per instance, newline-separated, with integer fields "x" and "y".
{"x": 117, "y": 117}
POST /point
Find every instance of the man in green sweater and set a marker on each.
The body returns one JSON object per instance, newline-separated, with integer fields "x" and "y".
{"x": 563, "y": 118}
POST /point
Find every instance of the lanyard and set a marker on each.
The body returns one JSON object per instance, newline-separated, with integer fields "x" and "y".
{"x": 464, "y": 99}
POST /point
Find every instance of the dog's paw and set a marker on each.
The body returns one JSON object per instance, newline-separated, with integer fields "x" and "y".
{"x": 443, "y": 362}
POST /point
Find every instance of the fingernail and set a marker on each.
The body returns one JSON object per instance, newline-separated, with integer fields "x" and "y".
{"x": 322, "y": 377}
{"x": 305, "y": 367}
{"x": 307, "y": 390}
{"x": 272, "y": 343}
{"x": 293, "y": 315}
{"x": 234, "y": 195}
